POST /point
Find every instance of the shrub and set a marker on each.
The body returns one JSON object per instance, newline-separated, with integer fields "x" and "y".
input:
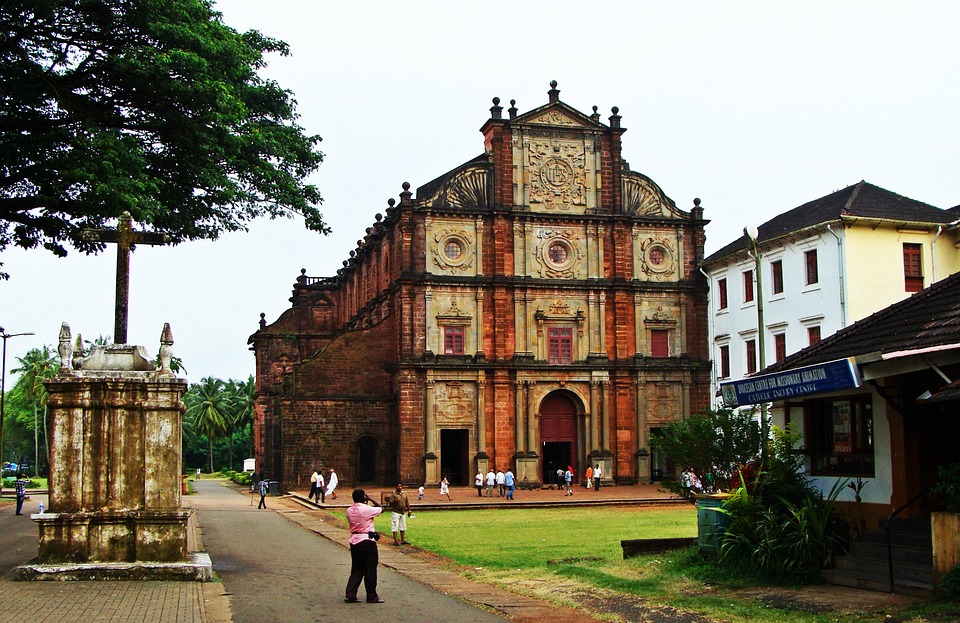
{"x": 951, "y": 584}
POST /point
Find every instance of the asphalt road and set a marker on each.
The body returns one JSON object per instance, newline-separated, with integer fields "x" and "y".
{"x": 274, "y": 570}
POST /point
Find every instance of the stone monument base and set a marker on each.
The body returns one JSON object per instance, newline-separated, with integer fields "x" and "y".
{"x": 197, "y": 568}
{"x": 113, "y": 536}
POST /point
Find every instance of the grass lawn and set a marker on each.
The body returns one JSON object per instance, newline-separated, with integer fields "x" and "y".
{"x": 572, "y": 556}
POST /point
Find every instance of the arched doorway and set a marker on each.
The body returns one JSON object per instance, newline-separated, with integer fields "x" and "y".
{"x": 368, "y": 455}
{"x": 558, "y": 435}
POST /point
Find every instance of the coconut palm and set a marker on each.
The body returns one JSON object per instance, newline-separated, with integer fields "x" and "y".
{"x": 35, "y": 366}
{"x": 209, "y": 410}
{"x": 241, "y": 414}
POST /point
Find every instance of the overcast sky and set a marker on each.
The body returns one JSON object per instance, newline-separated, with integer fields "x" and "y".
{"x": 755, "y": 107}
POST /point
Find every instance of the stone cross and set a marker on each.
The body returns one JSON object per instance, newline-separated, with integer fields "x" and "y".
{"x": 125, "y": 238}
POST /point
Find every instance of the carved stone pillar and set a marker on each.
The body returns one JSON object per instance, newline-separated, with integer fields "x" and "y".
{"x": 602, "y": 308}
{"x": 481, "y": 418}
{"x": 643, "y": 433}
{"x": 518, "y": 418}
{"x": 605, "y": 411}
{"x": 431, "y": 462}
{"x": 594, "y": 441}
{"x": 531, "y": 420}
{"x": 480, "y": 323}
{"x": 478, "y": 230}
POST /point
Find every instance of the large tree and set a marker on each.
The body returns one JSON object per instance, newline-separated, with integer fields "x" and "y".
{"x": 153, "y": 107}
{"x": 208, "y": 411}
{"x": 36, "y": 366}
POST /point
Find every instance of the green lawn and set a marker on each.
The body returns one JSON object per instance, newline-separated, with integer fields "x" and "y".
{"x": 573, "y": 556}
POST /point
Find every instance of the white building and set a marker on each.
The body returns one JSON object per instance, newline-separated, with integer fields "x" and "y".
{"x": 822, "y": 266}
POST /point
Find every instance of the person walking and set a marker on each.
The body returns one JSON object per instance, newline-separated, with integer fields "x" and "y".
{"x": 501, "y": 488}
{"x": 568, "y": 480}
{"x": 313, "y": 485}
{"x": 364, "y": 556}
{"x": 597, "y": 474}
{"x": 263, "y": 487}
{"x": 478, "y": 483}
{"x": 510, "y": 483}
{"x": 445, "y": 489}
{"x": 589, "y": 477}
{"x": 491, "y": 480}
{"x": 20, "y": 486}
{"x": 332, "y": 483}
{"x": 400, "y": 507}
{"x": 321, "y": 487}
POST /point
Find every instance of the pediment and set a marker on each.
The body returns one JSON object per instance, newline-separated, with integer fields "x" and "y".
{"x": 643, "y": 197}
{"x": 558, "y": 114}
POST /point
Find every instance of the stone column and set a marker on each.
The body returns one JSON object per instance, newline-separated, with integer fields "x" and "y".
{"x": 595, "y": 416}
{"x": 643, "y": 450}
{"x": 605, "y": 410}
{"x": 518, "y": 417}
{"x": 480, "y": 323}
{"x": 531, "y": 419}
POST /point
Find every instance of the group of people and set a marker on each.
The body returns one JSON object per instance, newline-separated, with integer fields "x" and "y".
{"x": 320, "y": 489}
{"x": 565, "y": 478}
{"x": 505, "y": 482}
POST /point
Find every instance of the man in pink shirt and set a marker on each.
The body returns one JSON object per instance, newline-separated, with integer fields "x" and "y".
{"x": 363, "y": 547}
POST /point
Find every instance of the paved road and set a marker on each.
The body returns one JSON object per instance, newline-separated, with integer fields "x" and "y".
{"x": 274, "y": 570}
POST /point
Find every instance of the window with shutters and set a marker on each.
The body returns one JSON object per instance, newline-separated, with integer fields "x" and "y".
{"x": 812, "y": 269}
{"x": 912, "y": 267}
{"x": 559, "y": 345}
{"x": 659, "y": 343}
{"x": 776, "y": 275}
{"x": 747, "y": 286}
{"x": 453, "y": 340}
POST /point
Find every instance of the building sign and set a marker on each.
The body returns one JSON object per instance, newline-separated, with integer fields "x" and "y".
{"x": 821, "y": 378}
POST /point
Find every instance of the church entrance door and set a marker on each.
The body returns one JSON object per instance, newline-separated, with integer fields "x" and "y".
{"x": 454, "y": 456}
{"x": 558, "y": 434}
{"x": 368, "y": 450}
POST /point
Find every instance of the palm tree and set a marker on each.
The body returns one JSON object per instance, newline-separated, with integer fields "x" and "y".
{"x": 208, "y": 410}
{"x": 38, "y": 364}
{"x": 241, "y": 414}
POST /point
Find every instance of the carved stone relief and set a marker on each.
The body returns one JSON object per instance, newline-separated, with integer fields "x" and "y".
{"x": 663, "y": 401}
{"x": 642, "y": 198}
{"x": 456, "y": 402}
{"x": 556, "y": 172}
{"x": 658, "y": 259}
{"x": 558, "y": 253}
{"x": 453, "y": 249}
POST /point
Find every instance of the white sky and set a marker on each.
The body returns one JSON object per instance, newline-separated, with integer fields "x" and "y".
{"x": 755, "y": 107}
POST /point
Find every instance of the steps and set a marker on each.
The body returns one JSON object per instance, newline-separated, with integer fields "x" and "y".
{"x": 866, "y": 565}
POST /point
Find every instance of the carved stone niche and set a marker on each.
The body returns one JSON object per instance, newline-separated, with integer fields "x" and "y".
{"x": 559, "y": 313}
{"x": 452, "y": 317}
{"x": 557, "y": 174}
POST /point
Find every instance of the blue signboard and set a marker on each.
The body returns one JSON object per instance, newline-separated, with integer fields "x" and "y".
{"x": 821, "y": 378}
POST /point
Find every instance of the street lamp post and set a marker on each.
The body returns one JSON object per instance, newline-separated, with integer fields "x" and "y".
{"x": 752, "y": 234}
{"x": 3, "y": 386}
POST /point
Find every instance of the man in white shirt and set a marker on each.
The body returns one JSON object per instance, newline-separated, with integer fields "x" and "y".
{"x": 597, "y": 473}
{"x": 491, "y": 480}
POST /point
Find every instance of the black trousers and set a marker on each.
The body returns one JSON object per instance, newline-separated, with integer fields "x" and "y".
{"x": 364, "y": 558}
{"x": 20, "y": 499}
{"x": 262, "y": 503}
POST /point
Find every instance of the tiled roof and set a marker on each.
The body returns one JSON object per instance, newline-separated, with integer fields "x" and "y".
{"x": 862, "y": 199}
{"x": 928, "y": 319}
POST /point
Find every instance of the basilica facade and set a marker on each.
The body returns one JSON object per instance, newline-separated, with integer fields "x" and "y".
{"x": 536, "y": 307}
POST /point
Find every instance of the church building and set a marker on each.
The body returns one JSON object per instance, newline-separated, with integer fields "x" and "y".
{"x": 536, "y": 307}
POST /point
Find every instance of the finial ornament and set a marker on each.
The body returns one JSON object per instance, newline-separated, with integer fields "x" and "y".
{"x": 65, "y": 348}
{"x": 553, "y": 84}
{"x": 166, "y": 348}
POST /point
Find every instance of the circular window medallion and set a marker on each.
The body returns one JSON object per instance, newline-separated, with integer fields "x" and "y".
{"x": 453, "y": 249}
{"x": 658, "y": 258}
{"x": 558, "y": 253}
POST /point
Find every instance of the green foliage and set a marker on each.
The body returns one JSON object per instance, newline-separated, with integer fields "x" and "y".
{"x": 218, "y": 420}
{"x": 948, "y": 487}
{"x": 714, "y": 442}
{"x": 37, "y": 365}
{"x": 154, "y": 107}
{"x": 950, "y": 584}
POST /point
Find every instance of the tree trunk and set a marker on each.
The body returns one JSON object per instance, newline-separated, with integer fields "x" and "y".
{"x": 210, "y": 448}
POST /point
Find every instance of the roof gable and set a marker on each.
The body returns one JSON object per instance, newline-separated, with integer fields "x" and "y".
{"x": 558, "y": 114}
{"x": 863, "y": 200}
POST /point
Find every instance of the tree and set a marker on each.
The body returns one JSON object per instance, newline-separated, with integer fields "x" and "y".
{"x": 148, "y": 106}
{"x": 36, "y": 366}
{"x": 715, "y": 442}
{"x": 241, "y": 399}
{"x": 208, "y": 411}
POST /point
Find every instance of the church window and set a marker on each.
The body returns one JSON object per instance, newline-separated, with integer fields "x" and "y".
{"x": 559, "y": 345}
{"x": 453, "y": 340}
{"x": 659, "y": 343}
{"x": 912, "y": 268}
{"x": 657, "y": 256}
{"x": 558, "y": 253}
{"x": 453, "y": 250}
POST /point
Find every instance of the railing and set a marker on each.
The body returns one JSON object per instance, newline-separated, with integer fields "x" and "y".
{"x": 889, "y": 542}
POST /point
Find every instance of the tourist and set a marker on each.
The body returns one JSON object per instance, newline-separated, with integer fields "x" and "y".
{"x": 313, "y": 485}
{"x": 568, "y": 480}
{"x": 263, "y": 487}
{"x": 332, "y": 482}
{"x": 501, "y": 488}
{"x": 321, "y": 487}
{"x": 20, "y": 485}
{"x": 198, "y": 474}
{"x": 559, "y": 478}
{"x": 363, "y": 547}
{"x": 400, "y": 506}
{"x": 445, "y": 489}
{"x": 589, "y": 476}
{"x": 478, "y": 483}
{"x": 491, "y": 480}
{"x": 509, "y": 483}
{"x": 420, "y": 493}
{"x": 597, "y": 474}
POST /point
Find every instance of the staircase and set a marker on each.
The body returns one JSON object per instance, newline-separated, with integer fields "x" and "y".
{"x": 866, "y": 565}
